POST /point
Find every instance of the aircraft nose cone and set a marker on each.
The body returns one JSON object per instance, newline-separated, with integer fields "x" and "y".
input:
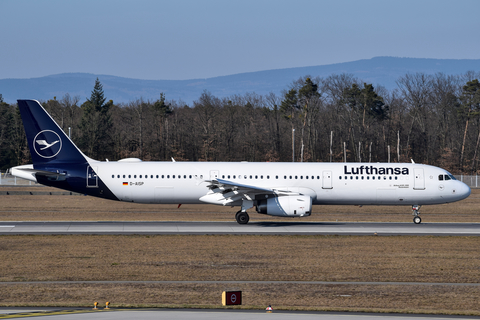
{"x": 462, "y": 190}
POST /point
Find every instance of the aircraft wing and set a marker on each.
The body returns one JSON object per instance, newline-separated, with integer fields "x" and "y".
{"x": 226, "y": 192}
{"x": 225, "y": 184}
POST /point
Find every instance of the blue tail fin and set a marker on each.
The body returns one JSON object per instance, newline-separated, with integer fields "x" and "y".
{"x": 48, "y": 143}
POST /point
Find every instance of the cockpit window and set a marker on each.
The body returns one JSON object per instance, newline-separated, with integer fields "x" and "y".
{"x": 446, "y": 177}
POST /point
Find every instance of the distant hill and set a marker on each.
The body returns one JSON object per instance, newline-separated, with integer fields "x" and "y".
{"x": 378, "y": 71}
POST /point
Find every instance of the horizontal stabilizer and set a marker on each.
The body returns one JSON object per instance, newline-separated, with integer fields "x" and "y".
{"x": 27, "y": 172}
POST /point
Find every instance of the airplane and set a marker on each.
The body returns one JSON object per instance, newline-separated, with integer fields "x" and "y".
{"x": 285, "y": 189}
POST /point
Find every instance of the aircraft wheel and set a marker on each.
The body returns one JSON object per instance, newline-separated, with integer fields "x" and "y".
{"x": 417, "y": 220}
{"x": 242, "y": 217}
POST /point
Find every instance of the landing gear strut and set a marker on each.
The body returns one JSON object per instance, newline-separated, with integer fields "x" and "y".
{"x": 242, "y": 217}
{"x": 416, "y": 217}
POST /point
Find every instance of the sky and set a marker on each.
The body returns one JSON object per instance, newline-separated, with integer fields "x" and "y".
{"x": 190, "y": 39}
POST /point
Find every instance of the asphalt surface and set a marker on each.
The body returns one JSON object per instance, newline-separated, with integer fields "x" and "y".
{"x": 263, "y": 228}
{"x": 147, "y": 314}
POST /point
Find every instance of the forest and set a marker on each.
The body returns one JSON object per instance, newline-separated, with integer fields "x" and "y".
{"x": 430, "y": 119}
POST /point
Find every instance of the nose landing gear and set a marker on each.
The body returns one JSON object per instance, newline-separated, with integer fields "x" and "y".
{"x": 416, "y": 217}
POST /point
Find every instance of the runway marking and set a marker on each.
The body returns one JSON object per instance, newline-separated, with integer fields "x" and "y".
{"x": 47, "y": 313}
{"x": 7, "y": 226}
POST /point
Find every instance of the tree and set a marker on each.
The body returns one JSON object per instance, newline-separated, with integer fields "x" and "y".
{"x": 307, "y": 95}
{"x": 162, "y": 112}
{"x": 289, "y": 104}
{"x": 96, "y": 124}
{"x": 470, "y": 108}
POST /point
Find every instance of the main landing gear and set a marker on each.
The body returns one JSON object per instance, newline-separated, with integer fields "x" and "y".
{"x": 242, "y": 217}
{"x": 416, "y": 217}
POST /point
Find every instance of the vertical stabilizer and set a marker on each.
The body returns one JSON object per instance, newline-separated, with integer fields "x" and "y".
{"x": 47, "y": 142}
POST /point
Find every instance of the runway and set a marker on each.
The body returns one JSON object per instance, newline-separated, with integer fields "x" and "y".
{"x": 253, "y": 228}
{"x": 182, "y": 314}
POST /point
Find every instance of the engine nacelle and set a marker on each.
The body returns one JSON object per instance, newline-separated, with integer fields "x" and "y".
{"x": 291, "y": 206}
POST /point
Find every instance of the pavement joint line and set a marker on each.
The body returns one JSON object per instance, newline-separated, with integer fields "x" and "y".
{"x": 375, "y": 283}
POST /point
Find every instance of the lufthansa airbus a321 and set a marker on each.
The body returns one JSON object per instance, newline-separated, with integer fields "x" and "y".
{"x": 277, "y": 189}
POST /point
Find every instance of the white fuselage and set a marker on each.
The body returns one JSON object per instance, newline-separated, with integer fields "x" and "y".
{"x": 325, "y": 183}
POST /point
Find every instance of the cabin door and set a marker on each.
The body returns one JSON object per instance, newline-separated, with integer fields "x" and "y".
{"x": 92, "y": 178}
{"x": 419, "y": 182}
{"x": 327, "y": 180}
{"x": 214, "y": 174}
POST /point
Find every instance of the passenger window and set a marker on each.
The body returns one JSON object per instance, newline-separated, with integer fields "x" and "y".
{"x": 123, "y": 176}
{"x": 118, "y": 176}
{"x": 276, "y": 177}
{"x": 268, "y": 177}
{"x": 318, "y": 177}
{"x": 113, "y": 176}
{"x": 301, "y": 177}
{"x": 228, "y": 176}
{"x": 356, "y": 177}
{"x": 184, "y": 176}
{"x": 261, "y": 177}
{"x": 351, "y": 177}
{"x": 290, "y": 177}
{"x": 390, "y": 178}
{"x": 157, "y": 176}
{"x": 368, "y": 177}
{"x": 168, "y": 176}
{"x": 140, "y": 176}
{"x": 284, "y": 177}
{"x": 306, "y": 177}
{"x": 223, "y": 177}
{"x": 373, "y": 178}
{"x": 256, "y": 177}
{"x": 295, "y": 177}
{"x": 190, "y": 176}
{"x": 363, "y": 177}
{"x": 234, "y": 176}
{"x": 129, "y": 176}
{"x": 340, "y": 177}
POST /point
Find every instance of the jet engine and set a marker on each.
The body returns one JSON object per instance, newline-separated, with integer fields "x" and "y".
{"x": 291, "y": 206}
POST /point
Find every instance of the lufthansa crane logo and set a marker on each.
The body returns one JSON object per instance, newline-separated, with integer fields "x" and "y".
{"x": 47, "y": 144}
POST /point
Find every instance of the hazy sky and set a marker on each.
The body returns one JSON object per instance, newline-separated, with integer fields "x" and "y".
{"x": 186, "y": 39}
